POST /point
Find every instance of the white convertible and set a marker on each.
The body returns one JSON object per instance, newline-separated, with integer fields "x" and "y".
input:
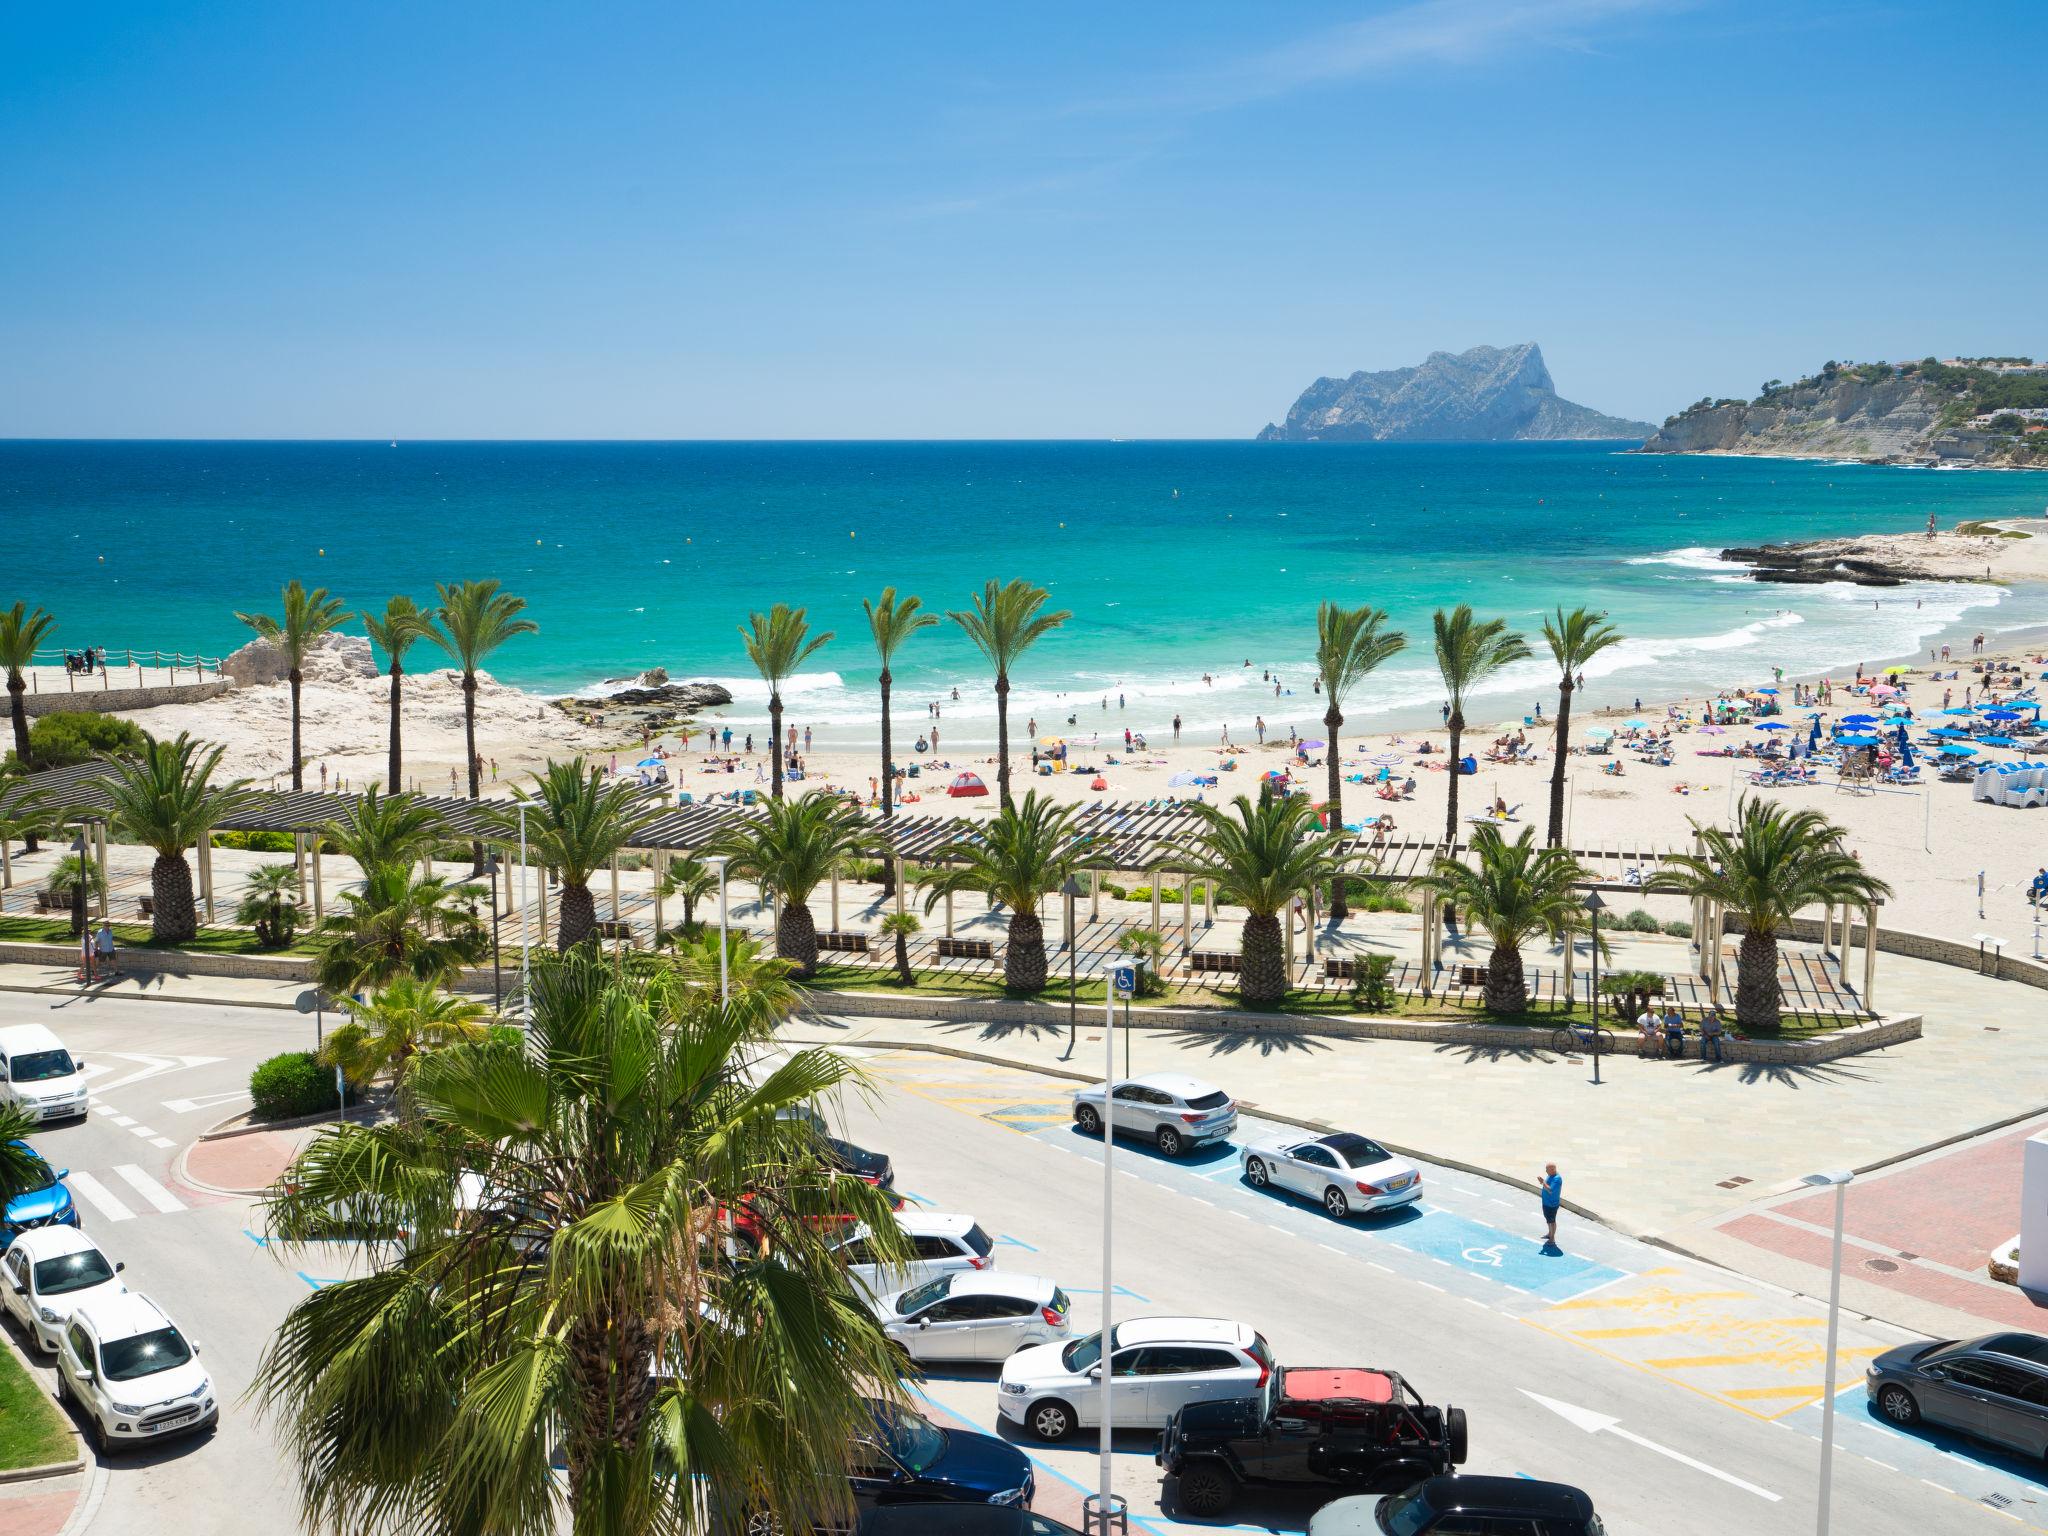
{"x": 1345, "y": 1172}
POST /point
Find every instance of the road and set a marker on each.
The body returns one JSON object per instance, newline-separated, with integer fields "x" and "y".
{"x": 1701, "y": 1388}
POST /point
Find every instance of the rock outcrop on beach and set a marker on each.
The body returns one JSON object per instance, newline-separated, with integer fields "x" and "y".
{"x": 1486, "y": 395}
{"x": 332, "y": 658}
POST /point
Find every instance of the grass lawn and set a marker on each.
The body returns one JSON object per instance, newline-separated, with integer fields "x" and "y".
{"x": 208, "y": 941}
{"x": 32, "y": 1432}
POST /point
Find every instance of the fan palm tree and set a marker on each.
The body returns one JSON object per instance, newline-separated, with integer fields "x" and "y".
{"x": 1513, "y": 891}
{"x": 892, "y": 621}
{"x": 166, "y": 800}
{"x": 405, "y": 1019}
{"x": 778, "y": 642}
{"x": 791, "y": 847}
{"x": 901, "y": 928}
{"x": 1350, "y": 645}
{"x": 1468, "y": 651}
{"x": 1025, "y": 854}
{"x": 692, "y": 880}
{"x": 384, "y": 830}
{"x": 22, "y": 633}
{"x": 1004, "y": 622}
{"x": 1574, "y": 638}
{"x": 577, "y": 1307}
{"x": 476, "y": 618}
{"x": 399, "y": 923}
{"x": 21, "y": 1168}
{"x": 1771, "y": 864}
{"x": 752, "y": 978}
{"x": 1260, "y": 857}
{"x": 270, "y": 904}
{"x": 303, "y": 619}
{"x": 578, "y": 826}
{"x": 402, "y": 624}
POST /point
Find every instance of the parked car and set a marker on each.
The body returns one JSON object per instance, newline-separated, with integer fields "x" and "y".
{"x": 45, "y": 1203}
{"x": 1158, "y": 1366}
{"x": 133, "y": 1375}
{"x": 1309, "y": 1427}
{"x": 49, "y": 1272}
{"x": 959, "y": 1520}
{"x": 844, "y": 1155}
{"x": 1173, "y": 1111}
{"x": 1346, "y": 1173}
{"x": 975, "y": 1315}
{"x": 940, "y": 1245}
{"x": 39, "y": 1074}
{"x": 1993, "y": 1388}
{"x": 1509, "y": 1506}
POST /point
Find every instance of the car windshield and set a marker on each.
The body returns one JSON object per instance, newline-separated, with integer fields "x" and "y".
{"x": 41, "y": 1066}
{"x": 1404, "y": 1514}
{"x": 1082, "y": 1353}
{"x": 73, "y": 1272}
{"x": 924, "y": 1295}
{"x": 38, "y": 1175}
{"x": 1357, "y": 1151}
{"x": 1208, "y": 1100}
{"x": 144, "y": 1355}
{"x": 915, "y": 1442}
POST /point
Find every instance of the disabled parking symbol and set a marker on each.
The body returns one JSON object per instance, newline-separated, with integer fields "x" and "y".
{"x": 1487, "y": 1256}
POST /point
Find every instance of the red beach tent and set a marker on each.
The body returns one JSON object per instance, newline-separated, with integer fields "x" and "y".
{"x": 966, "y": 784}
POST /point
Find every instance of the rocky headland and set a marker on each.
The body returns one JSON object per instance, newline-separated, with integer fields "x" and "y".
{"x": 1997, "y": 552}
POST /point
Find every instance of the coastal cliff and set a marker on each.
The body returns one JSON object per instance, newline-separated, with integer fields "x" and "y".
{"x": 1960, "y": 412}
{"x": 1486, "y": 395}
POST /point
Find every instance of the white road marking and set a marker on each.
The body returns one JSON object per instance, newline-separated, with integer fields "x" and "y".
{"x": 141, "y": 1130}
{"x": 1375, "y": 1264}
{"x": 1876, "y": 1463}
{"x": 154, "y": 1066}
{"x": 1427, "y": 1286}
{"x": 1601, "y": 1423}
{"x": 99, "y": 1197}
{"x": 161, "y": 1141}
{"x": 204, "y": 1101}
{"x": 148, "y": 1188}
{"x": 121, "y": 1119}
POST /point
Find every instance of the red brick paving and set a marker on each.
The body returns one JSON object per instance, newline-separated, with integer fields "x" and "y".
{"x": 244, "y": 1162}
{"x": 2003, "y": 1304}
{"x": 41, "y": 1512}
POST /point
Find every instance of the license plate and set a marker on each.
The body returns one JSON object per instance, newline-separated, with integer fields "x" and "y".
{"x": 176, "y": 1420}
{"x": 1401, "y": 1183}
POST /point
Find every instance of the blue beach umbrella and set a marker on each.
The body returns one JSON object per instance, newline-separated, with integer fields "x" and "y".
{"x": 1771, "y": 725}
{"x": 1957, "y": 749}
{"x": 1947, "y": 730}
{"x": 1859, "y": 719}
{"x": 2001, "y": 714}
{"x": 1994, "y": 741}
{"x": 1960, "y": 709}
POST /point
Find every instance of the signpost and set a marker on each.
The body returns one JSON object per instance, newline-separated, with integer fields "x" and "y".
{"x": 311, "y": 1001}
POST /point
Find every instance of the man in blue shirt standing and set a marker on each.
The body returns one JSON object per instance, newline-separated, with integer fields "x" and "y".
{"x": 1551, "y": 1187}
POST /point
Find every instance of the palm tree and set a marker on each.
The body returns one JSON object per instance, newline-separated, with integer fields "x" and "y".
{"x": 21, "y": 1167}
{"x": 902, "y": 927}
{"x": 21, "y": 634}
{"x": 1514, "y": 891}
{"x": 399, "y": 923}
{"x": 755, "y": 980}
{"x": 403, "y": 623}
{"x": 166, "y": 800}
{"x": 1024, "y": 855}
{"x": 1575, "y": 638}
{"x": 691, "y": 879}
{"x": 1773, "y": 863}
{"x": 1349, "y": 645}
{"x": 476, "y": 619}
{"x": 270, "y": 904}
{"x": 1260, "y": 857}
{"x": 580, "y": 824}
{"x": 382, "y": 830}
{"x": 23, "y": 815}
{"x": 1004, "y": 622}
{"x": 778, "y": 642}
{"x": 66, "y": 876}
{"x": 791, "y": 847}
{"x": 405, "y": 1019}
{"x": 306, "y": 617}
{"x": 1468, "y": 651}
{"x": 892, "y": 622}
{"x": 563, "y": 1291}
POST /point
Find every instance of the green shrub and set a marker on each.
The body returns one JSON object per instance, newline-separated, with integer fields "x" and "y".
{"x": 1372, "y": 985}
{"x": 1678, "y": 928}
{"x": 255, "y": 842}
{"x": 1638, "y": 921}
{"x": 1382, "y": 899}
{"x": 59, "y": 740}
{"x": 1148, "y": 945}
{"x": 293, "y": 1084}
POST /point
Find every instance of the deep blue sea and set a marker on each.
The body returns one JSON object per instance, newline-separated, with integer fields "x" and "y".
{"x": 1176, "y": 558}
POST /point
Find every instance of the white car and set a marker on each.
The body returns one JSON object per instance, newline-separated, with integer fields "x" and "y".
{"x": 131, "y": 1372}
{"x": 47, "y": 1274}
{"x": 940, "y": 1245}
{"x": 1158, "y": 1365}
{"x": 41, "y": 1076}
{"x": 975, "y": 1315}
{"x": 1344, "y": 1172}
{"x": 1173, "y": 1111}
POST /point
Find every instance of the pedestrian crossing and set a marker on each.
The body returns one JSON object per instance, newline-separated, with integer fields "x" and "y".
{"x": 109, "y": 1206}
{"x": 105, "y": 1111}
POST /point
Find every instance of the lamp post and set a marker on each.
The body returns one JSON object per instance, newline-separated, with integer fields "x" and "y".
{"x": 1103, "y": 1510}
{"x": 525, "y": 930}
{"x": 80, "y": 847}
{"x": 497, "y": 984}
{"x": 1072, "y": 891}
{"x": 1840, "y": 1182}
{"x": 1595, "y": 906}
{"x": 719, "y": 861}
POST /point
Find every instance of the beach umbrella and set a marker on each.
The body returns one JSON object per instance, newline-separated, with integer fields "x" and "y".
{"x": 1311, "y": 744}
{"x": 1713, "y": 730}
{"x": 1857, "y": 740}
{"x": 1394, "y": 759}
{"x": 1947, "y": 730}
{"x": 1632, "y": 725}
{"x": 1602, "y": 731}
{"x": 1771, "y": 691}
{"x": 1960, "y": 709}
{"x": 1994, "y": 741}
{"x": 2002, "y": 714}
{"x": 648, "y": 762}
{"x": 1051, "y": 741}
{"x": 1957, "y": 749}
{"x": 1771, "y": 725}
{"x": 1859, "y": 719}
{"x": 1895, "y": 671}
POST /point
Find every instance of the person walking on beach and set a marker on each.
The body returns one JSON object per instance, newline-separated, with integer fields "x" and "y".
{"x": 1259, "y": 724}
{"x": 1551, "y": 1188}
{"x": 1445, "y": 710}
{"x": 1176, "y": 727}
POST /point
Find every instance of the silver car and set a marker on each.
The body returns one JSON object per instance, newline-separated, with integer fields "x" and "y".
{"x": 1173, "y": 1111}
{"x": 1345, "y": 1172}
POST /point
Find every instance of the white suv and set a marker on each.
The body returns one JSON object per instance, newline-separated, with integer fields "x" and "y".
{"x": 1158, "y": 1365}
{"x": 941, "y": 1245}
{"x": 1171, "y": 1110}
{"x": 37, "y": 1073}
{"x": 132, "y": 1373}
{"x": 48, "y": 1274}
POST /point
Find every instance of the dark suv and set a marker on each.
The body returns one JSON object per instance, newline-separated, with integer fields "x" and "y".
{"x": 1994, "y": 1388}
{"x": 1309, "y": 1427}
{"x": 1463, "y": 1506}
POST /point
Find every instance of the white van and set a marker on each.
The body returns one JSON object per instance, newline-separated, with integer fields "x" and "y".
{"x": 37, "y": 1073}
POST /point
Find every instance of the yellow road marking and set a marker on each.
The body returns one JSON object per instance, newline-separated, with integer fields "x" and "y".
{"x": 1636, "y": 1365}
{"x": 1802, "y": 1356}
{"x": 1702, "y": 1326}
{"x": 1657, "y": 1296}
{"x": 1806, "y": 1394}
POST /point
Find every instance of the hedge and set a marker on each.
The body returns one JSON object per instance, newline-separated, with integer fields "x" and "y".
{"x": 294, "y": 1084}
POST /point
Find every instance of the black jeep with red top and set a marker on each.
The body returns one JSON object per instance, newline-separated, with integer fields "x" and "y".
{"x": 1310, "y": 1427}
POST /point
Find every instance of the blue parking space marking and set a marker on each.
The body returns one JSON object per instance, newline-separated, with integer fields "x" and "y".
{"x": 1492, "y": 1254}
{"x": 260, "y": 1242}
{"x": 317, "y": 1284}
{"x": 1121, "y": 1290}
{"x": 1941, "y": 1456}
{"x": 1016, "y": 1242}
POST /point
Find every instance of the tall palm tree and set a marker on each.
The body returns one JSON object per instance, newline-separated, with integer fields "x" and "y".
{"x": 1004, "y": 622}
{"x": 1468, "y": 651}
{"x": 580, "y": 824}
{"x": 1574, "y": 638}
{"x": 791, "y": 847}
{"x": 1512, "y": 891}
{"x": 576, "y": 1307}
{"x": 404, "y": 1020}
{"x": 1024, "y": 855}
{"x": 382, "y": 830}
{"x": 1260, "y": 857}
{"x": 304, "y": 618}
{"x": 476, "y": 618}
{"x": 166, "y": 800}
{"x": 1774, "y": 862}
{"x": 21, "y": 1167}
{"x": 892, "y": 621}
{"x": 402, "y": 624}
{"x": 1350, "y": 645}
{"x": 399, "y": 923}
{"x": 778, "y": 642}
{"x": 21, "y": 635}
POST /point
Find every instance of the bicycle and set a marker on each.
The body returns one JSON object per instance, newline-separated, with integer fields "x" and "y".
{"x": 1582, "y": 1037}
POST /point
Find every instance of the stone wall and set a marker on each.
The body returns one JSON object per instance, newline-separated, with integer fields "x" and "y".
{"x": 89, "y": 698}
{"x": 1923, "y": 946}
{"x": 173, "y": 962}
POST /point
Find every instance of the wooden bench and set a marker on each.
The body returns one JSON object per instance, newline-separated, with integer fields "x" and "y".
{"x": 843, "y": 942}
{"x": 614, "y": 928}
{"x": 146, "y": 905}
{"x": 45, "y": 902}
{"x": 1212, "y": 961}
{"x": 1471, "y": 976}
{"x": 1341, "y": 969}
{"x": 967, "y": 949}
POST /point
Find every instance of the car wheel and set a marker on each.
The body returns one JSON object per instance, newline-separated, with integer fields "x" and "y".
{"x": 763, "y": 1522}
{"x": 1897, "y": 1404}
{"x": 63, "y": 1390}
{"x": 1087, "y": 1118}
{"x": 1335, "y": 1203}
{"x": 1052, "y": 1420}
{"x": 1170, "y": 1142}
{"x": 1255, "y": 1174}
{"x": 1206, "y": 1490}
{"x": 102, "y": 1441}
{"x": 1456, "y": 1439}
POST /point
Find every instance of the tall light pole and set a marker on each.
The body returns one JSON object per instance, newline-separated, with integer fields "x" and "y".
{"x": 525, "y": 931}
{"x": 1072, "y": 891}
{"x": 1840, "y": 1181}
{"x": 1102, "y": 1509}
{"x": 491, "y": 863}
{"x": 719, "y": 861}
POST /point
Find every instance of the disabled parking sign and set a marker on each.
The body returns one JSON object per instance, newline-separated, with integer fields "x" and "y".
{"x": 1123, "y": 980}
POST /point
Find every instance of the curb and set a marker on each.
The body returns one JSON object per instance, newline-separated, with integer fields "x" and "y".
{"x": 146, "y": 997}
{"x": 47, "y": 1469}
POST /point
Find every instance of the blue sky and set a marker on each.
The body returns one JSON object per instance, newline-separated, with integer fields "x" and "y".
{"x": 671, "y": 220}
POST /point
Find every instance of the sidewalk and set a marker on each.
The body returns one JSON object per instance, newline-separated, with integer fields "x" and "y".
{"x": 226, "y": 991}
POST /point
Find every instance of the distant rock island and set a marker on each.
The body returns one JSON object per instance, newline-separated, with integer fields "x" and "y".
{"x": 1486, "y": 395}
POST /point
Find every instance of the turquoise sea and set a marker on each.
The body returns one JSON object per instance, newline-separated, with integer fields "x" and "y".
{"x": 1177, "y": 558}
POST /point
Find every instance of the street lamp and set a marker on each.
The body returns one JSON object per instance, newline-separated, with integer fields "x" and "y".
{"x": 497, "y": 985}
{"x": 525, "y": 931}
{"x": 718, "y": 861}
{"x": 79, "y": 847}
{"x": 1840, "y": 1182}
{"x": 1072, "y": 891}
{"x": 1595, "y": 906}
{"x": 1103, "y": 1509}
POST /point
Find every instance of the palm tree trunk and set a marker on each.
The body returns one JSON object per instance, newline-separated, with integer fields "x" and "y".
{"x": 888, "y": 792}
{"x": 394, "y": 784}
{"x": 1759, "y": 1001}
{"x": 1262, "y": 962}
{"x": 298, "y": 763}
{"x": 1451, "y": 811}
{"x": 18, "y": 707}
{"x": 796, "y": 938}
{"x": 173, "y": 916}
{"x": 1564, "y": 726}
{"x": 1024, "y": 954}
{"x": 1507, "y": 989}
{"x": 579, "y": 917}
{"x": 903, "y": 961}
{"x": 476, "y": 849}
{"x": 1332, "y": 721}
{"x": 775, "y": 743}
{"x": 1003, "y": 747}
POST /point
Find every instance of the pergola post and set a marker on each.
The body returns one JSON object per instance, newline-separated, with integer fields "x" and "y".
{"x": 1094, "y": 895}
{"x": 319, "y": 897}
{"x": 1869, "y": 957}
{"x": 615, "y": 887}
{"x": 660, "y": 874}
{"x": 1712, "y": 953}
{"x": 1842, "y": 950}
{"x": 1827, "y": 927}
{"x": 1187, "y": 925}
{"x": 899, "y": 884}
{"x": 1155, "y": 898}
{"x": 100, "y": 833}
{"x": 299, "y": 862}
{"x": 6, "y": 865}
{"x": 1067, "y": 923}
{"x": 1308, "y": 927}
{"x": 1209, "y": 903}
{"x": 835, "y": 898}
{"x": 542, "y": 882}
{"x": 1287, "y": 926}
{"x": 1570, "y": 952}
{"x": 206, "y": 872}
{"x": 1428, "y": 941}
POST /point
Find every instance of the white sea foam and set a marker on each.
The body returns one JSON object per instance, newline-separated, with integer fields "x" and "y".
{"x": 1694, "y": 557}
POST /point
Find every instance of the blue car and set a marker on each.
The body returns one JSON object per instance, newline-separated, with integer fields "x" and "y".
{"x": 46, "y": 1203}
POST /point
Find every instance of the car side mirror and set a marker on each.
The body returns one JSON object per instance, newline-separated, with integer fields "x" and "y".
{"x": 63, "y": 1173}
{"x": 119, "y": 1265}
{"x": 85, "y": 1373}
{"x": 1095, "y": 1373}
{"x": 17, "y": 1287}
{"x": 924, "y": 1322}
{"x": 195, "y": 1345}
{"x": 1936, "y": 1372}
